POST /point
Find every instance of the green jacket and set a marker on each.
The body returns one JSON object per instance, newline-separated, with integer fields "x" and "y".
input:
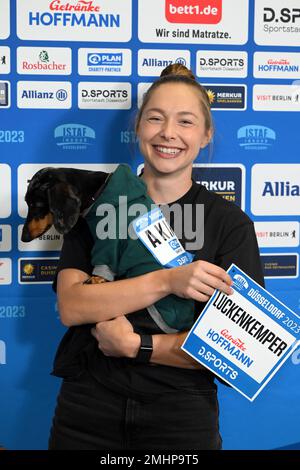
{"x": 118, "y": 255}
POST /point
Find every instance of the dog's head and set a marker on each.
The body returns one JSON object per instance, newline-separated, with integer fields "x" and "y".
{"x": 51, "y": 201}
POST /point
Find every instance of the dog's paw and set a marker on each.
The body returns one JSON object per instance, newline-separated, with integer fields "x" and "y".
{"x": 95, "y": 280}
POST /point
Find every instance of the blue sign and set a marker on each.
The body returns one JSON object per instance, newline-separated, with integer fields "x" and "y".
{"x": 246, "y": 337}
{"x": 227, "y": 96}
{"x": 280, "y": 265}
{"x": 37, "y": 270}
{"x": 225, "y": 180}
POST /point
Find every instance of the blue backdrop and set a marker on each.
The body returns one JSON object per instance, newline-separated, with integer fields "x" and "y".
{"x": 71, "y": 76}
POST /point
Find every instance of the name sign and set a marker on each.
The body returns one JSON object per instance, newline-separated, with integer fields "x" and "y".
{"x": 246, "y": 337}
{"x": 154, "y": 231}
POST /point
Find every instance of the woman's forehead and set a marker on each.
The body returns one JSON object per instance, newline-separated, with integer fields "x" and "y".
{"x": 181, "y": 96}
{"x": 169, "y": 89}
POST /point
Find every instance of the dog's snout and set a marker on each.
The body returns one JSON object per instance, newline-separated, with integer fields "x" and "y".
{"x": 34, "y": 228}
{"x": 26, "y": 236}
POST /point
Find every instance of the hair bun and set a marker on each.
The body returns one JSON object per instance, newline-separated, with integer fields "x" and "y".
{"x": 177, "y": 69}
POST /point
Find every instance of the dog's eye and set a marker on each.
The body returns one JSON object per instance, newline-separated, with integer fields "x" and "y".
{"x": 36, "y": 205}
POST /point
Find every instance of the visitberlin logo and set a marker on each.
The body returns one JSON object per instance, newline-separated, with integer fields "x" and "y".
{"x": 194, "y": 11}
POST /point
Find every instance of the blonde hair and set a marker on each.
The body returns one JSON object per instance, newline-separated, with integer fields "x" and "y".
{"x": 178, "y": 73}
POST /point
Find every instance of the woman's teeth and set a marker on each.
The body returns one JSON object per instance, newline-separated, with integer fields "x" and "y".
{"x": 168, "y": 151}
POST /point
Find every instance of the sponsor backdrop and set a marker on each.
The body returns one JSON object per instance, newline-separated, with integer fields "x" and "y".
{"x": 72, "y": 73}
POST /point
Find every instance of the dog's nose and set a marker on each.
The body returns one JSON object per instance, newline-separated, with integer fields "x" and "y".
{"x": 26, "y": 237}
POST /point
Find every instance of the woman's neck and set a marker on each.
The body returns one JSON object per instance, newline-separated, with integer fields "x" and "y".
{"x": 164, "y": 189}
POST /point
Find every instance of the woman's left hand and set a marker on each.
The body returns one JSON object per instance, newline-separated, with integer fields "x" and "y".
{"x": 116, "y": 338}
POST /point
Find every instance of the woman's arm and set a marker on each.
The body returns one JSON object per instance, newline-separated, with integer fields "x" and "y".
{"x": 116, "y": 338}
{"x": 80, "y": 303}
{"x": 167, "y": 351}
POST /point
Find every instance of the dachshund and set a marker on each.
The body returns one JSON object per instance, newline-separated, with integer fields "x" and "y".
{"x": 57, "y": 196}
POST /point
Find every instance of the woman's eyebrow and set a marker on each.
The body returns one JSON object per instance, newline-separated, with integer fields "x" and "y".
{"x": 157, "y": 110}
{"x": 181, "y": 113}
{"x": 190, "y": 113}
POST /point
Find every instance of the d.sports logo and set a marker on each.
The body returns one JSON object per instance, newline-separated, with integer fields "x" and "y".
{"x": 194, "y": 11}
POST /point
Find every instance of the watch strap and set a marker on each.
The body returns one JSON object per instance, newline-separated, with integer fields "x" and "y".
{"x": 144, "y": 354}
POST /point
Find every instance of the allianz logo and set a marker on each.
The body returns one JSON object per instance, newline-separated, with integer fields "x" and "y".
{"x": 2, "y": 353}
{"x": 280, "y": 189}
{"x": 61, "y": 95}
{"x": 255, "y": 137}
{"x": 154, "y": 62}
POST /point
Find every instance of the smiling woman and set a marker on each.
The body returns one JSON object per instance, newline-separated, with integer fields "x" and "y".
{"x": 128, "y": 390}
{"x": 174, "y": 123}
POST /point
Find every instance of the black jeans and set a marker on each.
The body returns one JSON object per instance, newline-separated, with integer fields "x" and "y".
{"x": 89, "y": 416}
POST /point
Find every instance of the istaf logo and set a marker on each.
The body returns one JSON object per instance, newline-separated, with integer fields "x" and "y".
{"x": 194, "y": 11}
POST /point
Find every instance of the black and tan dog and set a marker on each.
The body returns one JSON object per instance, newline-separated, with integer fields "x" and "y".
{"x": 57, "y": 196}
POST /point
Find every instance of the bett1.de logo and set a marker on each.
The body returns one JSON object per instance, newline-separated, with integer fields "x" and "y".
{"x": 194, "y": 11}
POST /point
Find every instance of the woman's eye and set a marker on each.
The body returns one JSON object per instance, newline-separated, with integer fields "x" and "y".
{"x": 185, "y": 122}
{"x": 154, "y": 119}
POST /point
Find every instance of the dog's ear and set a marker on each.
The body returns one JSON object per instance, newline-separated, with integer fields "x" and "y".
{"x": 42, "y": 179}
{"x": 64, "y": 205}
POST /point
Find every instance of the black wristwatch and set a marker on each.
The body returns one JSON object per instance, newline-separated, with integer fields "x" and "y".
{"x": 144, "y": 354}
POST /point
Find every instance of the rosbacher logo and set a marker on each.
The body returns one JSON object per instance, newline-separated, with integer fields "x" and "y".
{"x": 194, "y": 11}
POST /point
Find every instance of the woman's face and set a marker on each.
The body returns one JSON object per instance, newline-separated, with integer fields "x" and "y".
{"x": 172, "y": 129}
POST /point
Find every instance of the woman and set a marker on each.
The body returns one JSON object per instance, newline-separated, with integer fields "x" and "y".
{"x": 143, "y": 392}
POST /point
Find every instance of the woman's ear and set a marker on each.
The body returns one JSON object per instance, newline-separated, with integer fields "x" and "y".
{"x": 207, "y": 138}
{"x": 137, "y": 133}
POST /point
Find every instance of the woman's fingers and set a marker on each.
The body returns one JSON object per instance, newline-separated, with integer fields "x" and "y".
{"x": 206, "y": 278}
{"x": 211, "y": 282}
{"x": 199, "y": 296}
{"x": 198, "y": 280}
{"x": 215, "y": 271}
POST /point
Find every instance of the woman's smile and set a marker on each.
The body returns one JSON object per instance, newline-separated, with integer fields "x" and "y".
{"x": 167, "y": 152}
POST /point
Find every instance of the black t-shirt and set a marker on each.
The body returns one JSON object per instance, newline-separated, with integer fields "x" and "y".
{"x": 229, "y": 237}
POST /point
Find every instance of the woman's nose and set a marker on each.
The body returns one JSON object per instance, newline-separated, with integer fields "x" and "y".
{"x": 168, "y": 130}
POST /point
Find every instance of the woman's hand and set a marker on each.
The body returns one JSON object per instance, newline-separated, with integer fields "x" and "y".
{"x": 198, "y": 280}
{"x": 116, "y": 338}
